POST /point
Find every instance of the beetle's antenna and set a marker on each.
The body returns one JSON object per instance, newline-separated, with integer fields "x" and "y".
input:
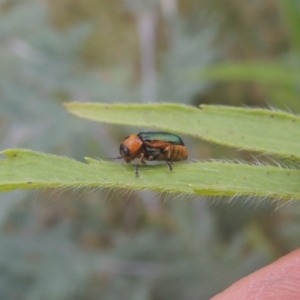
{"x": 119, "y": 157}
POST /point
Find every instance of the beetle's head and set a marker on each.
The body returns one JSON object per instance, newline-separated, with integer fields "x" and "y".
{"x": 131, "y": 148}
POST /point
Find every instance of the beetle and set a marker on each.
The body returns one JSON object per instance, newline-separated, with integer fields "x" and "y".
{"x": 159, "y": 146}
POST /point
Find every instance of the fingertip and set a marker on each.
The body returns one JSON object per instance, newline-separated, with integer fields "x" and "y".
{"x": 279, "y": 280}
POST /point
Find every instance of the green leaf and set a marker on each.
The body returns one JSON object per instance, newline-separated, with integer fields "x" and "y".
{"x": 27, "y": 170}
{"x": 272, "y": 132}
{"x": 259, "y": 72}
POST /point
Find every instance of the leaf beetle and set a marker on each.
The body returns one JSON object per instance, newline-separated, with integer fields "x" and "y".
{"x": 153, "y": 146}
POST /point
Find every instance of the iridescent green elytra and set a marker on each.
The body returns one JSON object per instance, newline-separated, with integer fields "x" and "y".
{"x": 161, "y": 136}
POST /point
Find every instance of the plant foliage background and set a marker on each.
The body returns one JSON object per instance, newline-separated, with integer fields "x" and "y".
{"x": 102, "y": 244}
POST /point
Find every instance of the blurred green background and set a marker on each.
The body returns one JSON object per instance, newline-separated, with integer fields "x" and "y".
{"x": 114, "y": 244}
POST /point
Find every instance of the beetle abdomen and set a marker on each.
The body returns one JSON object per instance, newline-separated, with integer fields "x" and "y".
{"x": 178, "y": 153}
{"x": 171, "y": 153}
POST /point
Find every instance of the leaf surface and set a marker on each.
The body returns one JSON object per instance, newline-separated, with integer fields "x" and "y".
{"x": 30, "y": 170}
{"x": 266, "y": 131}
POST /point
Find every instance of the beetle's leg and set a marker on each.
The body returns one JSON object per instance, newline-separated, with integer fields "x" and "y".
{"x": 168, "y": 150}
{"x": 138, "y": 164}
{"x": 169, "y": 165}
